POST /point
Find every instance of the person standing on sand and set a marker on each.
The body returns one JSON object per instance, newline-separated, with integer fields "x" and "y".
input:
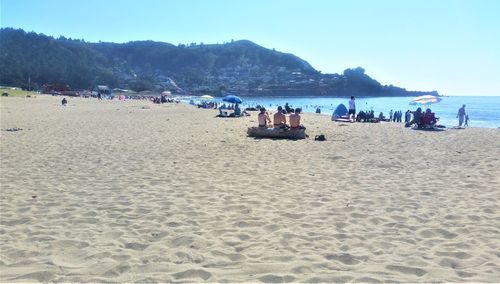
{"x": 64, "y": 102}
{"x": 461, "y": 115}
{"x": 466, "y": 120}
{"x": 352, "y": 109}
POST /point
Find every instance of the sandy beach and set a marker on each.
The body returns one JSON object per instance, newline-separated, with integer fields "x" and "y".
{"x": 108, "y": 191}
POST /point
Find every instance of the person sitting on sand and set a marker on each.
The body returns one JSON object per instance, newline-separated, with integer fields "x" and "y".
{"x": 288, "y": 108}
{"x": 360, "y": 117}
{"x": 263, "y": 118}
{"x": 279, "y": 118}
{"x": 417, "y": 116}
{"x": 64, "y": 102}
{"x": 222, "y": 113}
{"x": 295, "y": 120}
{"x": 381, "y": 116}
{"x": 237, "y": 110}
{"x": 429, "y": 119}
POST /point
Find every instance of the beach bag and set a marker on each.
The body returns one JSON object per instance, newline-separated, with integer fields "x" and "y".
{"x": 320, "y": 137}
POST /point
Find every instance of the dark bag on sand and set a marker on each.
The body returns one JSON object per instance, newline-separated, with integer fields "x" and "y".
{"x": 320, "y": 137}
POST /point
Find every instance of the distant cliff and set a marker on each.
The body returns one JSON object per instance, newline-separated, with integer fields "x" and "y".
{"x": 243, "y": 67}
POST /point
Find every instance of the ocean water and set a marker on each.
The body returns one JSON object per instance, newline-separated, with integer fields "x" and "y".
{"x": 482, "y": 111}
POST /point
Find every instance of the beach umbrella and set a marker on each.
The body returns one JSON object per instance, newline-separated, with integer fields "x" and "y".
{"x": 166, "y": 93}
{"x": 425, "y": 100}
{"x": 206, "y": 97}
{"x": 232, "y": 99}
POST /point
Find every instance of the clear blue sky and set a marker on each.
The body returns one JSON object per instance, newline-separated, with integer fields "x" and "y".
{"x": 452, "y": 46}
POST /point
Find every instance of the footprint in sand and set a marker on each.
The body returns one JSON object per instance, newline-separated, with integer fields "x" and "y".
{"x": 464, "y": 274}
{"x": 344, "y": 258}
{"x": 40, "y": 276}
{"x": 271, "y": 278}
{"x": 117, "y": 270}
{"x": 458, "y": 254}
{"x": 367, "y": 280}
{"x": 193, "y": 273}
{"x": 451, "y": 263}
{"x": 407, "y": 270}
{"x": 135, "y": 246}
{"x": 337, "y": 279}
{"x": 431, "y": 233}
{"x": 71, "y": 243}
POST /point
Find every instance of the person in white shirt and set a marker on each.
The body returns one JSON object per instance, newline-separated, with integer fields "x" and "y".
{"x": 352, "y": 109}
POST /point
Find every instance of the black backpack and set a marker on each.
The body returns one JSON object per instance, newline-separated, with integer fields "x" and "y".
{"x": 320, "y": 137}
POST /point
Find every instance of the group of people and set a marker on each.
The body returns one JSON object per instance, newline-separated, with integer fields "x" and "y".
{"x": 164, "y": 99}
{"x": 236, "y": 111}
{"x": 367, "y": 116}
{"x": 397, "y": 116}
{"x": 421, "y": 119}
{"x": 280, "y": 119}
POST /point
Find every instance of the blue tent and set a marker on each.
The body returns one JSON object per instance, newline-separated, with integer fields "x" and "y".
{"x": 340, "y": 111}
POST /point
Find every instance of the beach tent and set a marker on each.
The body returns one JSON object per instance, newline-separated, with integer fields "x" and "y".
{"x": 340, "y": 111}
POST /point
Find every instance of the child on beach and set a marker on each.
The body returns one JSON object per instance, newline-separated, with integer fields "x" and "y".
{"x": 466, "y": 120}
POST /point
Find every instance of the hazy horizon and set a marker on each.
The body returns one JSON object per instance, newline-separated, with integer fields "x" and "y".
{"x": 449, "y": 46}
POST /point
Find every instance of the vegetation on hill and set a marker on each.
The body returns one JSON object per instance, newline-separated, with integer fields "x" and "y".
{"x": 31, "y": 60}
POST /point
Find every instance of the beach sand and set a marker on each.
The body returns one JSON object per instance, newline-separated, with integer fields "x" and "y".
{"x": 106, "y": 191}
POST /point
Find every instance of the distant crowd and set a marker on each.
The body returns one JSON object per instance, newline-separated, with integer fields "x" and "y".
{"x": 416, "y": 118}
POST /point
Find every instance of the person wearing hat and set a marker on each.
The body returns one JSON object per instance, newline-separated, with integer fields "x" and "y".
{"x": 279, "y": 118}
{"x": 263, "y": 118}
